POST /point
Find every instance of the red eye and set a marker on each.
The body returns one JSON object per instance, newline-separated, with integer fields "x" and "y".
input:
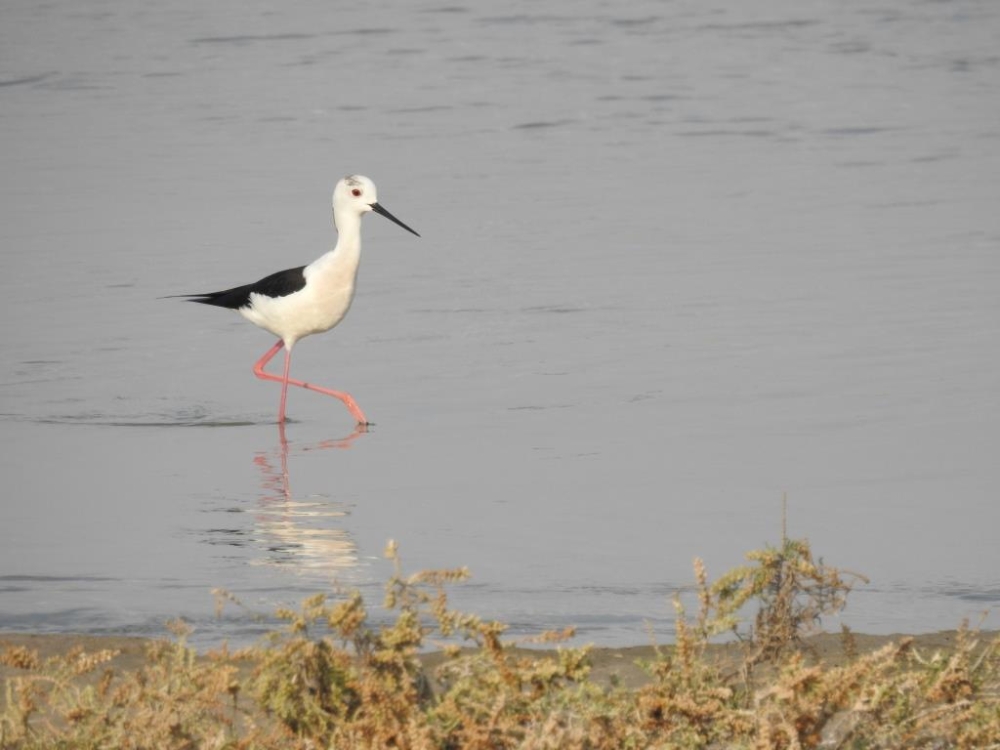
{"x": 356, "y": 192}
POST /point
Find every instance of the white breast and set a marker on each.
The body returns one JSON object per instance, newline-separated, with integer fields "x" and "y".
{"x": 317, "y": 307}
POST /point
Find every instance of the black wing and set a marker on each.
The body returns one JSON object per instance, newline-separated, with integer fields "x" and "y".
{"x": 279, "y": 284}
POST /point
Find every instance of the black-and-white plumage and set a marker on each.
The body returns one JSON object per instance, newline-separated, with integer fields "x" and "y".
{"x": 309, "y": 299}
{"x": 279, "y": 284}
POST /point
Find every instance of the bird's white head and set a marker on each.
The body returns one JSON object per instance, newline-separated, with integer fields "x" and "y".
{"x": 355, "y": 195}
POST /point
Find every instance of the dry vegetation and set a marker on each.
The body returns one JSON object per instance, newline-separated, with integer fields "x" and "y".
{"x": 331, "y": 679}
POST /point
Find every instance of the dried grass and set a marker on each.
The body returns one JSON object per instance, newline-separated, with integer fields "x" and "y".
{"x": 331, "y": 679}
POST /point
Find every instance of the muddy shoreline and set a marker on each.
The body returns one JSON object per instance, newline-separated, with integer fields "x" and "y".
{"x": 609, "y": 665}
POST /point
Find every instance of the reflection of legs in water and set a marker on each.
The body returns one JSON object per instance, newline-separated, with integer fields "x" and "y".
{"x": 274, "y": 481}
{"x": 258, "y": 370}
{"x": 306, "y": 533}
{"x": 277, "y": 482}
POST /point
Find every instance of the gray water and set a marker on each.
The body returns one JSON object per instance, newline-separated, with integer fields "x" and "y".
{"x": 678, "y": 260}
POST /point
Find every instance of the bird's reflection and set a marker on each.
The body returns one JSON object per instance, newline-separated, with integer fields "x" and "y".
{"x": 303, "y": 534}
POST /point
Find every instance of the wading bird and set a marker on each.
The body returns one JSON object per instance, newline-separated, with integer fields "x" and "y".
{"x": 309, "y": 299}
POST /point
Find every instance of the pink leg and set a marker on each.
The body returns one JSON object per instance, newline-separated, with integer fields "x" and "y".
{"x": 258, "y": 370}
{"x": 284, "y": 387}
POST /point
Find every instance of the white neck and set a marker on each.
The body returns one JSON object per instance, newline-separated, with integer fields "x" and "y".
{"x": 348, "y": 230}
{"x": 346, "y": 254}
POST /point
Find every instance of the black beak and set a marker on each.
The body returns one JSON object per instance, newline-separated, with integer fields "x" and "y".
{"x": 379, "y": 210}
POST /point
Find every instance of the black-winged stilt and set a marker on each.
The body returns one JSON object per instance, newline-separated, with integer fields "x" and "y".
{"x": 309, "y": 299}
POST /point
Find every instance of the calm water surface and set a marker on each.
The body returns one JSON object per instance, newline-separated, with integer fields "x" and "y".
{"x": 678, "y": 260}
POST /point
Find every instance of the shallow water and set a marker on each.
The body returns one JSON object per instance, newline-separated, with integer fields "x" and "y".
{"x": 678, "y": 261}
